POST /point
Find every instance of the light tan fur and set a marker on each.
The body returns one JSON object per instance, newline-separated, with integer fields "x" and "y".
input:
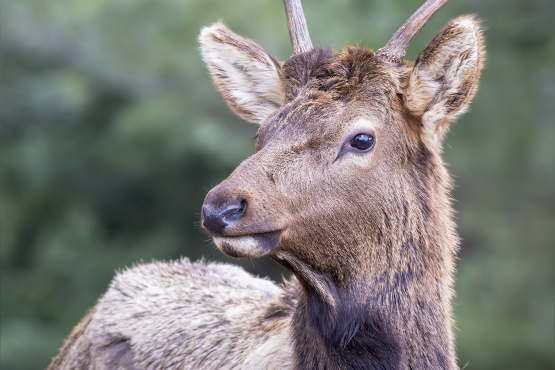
{"x": 181, "y": 315}
{"x": 445, "y": 77}
{"x": 245, "y": 73}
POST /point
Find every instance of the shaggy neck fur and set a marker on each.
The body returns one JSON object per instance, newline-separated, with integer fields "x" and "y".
{"x": 388, "y": 332}
{"x": 396, "y": 316}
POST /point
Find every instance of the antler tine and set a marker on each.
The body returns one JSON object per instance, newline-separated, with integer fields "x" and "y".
{"x": 296, "y": 23}
{"x": 395, "y": 48}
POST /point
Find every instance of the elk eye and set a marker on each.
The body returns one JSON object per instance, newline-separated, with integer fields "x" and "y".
{"x": 363, "y": 142}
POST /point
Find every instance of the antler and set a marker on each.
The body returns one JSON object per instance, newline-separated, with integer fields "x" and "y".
{"x": 395, "y": 48}
{"x": 296, "y": 23}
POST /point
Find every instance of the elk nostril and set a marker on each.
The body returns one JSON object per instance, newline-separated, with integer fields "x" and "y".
{"x": 243, "y": 206}
{"x": 233, "y": 213}
{"x": 217, "y": 220}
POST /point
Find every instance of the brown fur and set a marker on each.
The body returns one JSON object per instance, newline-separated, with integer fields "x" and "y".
{"x": 369, "y": 235}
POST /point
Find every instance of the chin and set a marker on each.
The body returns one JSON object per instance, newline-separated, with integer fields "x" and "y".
{"x": 248, "y": 246}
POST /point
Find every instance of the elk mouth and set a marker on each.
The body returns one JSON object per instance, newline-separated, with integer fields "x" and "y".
{"x": 248, "y": 245}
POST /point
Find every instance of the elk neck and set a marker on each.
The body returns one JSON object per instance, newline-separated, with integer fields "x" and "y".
{"x": 390, "y": 309}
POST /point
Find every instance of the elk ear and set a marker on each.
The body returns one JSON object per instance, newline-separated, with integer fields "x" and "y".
{"x": 445, "y": 78}
{"x": 248, "y": 77}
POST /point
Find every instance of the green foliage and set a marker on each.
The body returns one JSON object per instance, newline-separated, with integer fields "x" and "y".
{"x": 111, "y": 134}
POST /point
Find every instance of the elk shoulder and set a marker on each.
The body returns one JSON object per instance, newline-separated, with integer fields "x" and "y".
{"x": 183, "y": 315}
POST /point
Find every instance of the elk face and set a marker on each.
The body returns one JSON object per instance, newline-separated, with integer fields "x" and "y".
{"x": 346, "y": 142}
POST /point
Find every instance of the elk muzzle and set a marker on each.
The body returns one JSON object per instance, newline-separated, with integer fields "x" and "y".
{"x": 239, "y": 220}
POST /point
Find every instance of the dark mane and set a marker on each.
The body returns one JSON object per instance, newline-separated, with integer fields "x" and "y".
{"x": 337, "y": 74}
{"x": 348, "y": 336}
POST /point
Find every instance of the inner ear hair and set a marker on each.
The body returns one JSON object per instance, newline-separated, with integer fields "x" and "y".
{"x": 246, "y": 75}
{"x": 445, "y": 78}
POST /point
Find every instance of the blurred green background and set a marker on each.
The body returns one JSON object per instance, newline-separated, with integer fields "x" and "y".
{"x": 112, "y": 133}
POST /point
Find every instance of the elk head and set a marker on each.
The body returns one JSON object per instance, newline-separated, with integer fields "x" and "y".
{"x": 347, "y": 168}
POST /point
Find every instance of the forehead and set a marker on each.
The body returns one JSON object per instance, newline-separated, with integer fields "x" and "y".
{"x": 326, "y": 91}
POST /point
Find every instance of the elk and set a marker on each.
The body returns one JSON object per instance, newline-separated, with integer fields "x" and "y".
{"x": 347, "y": 189}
